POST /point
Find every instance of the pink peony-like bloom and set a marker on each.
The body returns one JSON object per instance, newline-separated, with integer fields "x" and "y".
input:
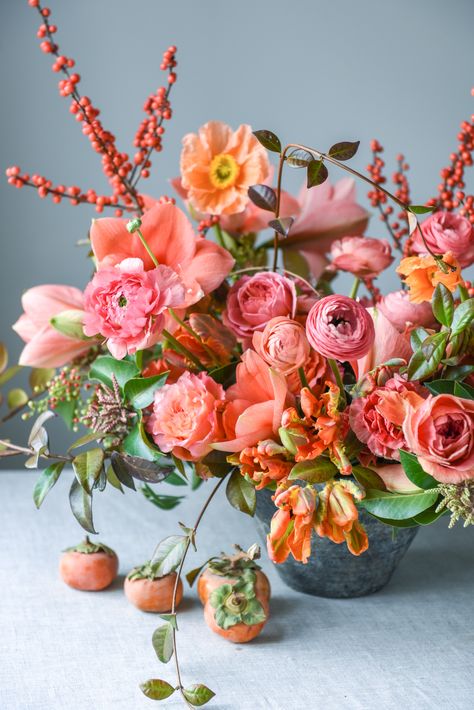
{"x": 46, "y": 346}
{"x": 126, "y": 304}
{"x": 218, "y": 165}
{"x": 443, "y": 232}
{"x": 441, "y": 433}
{"x": 201, "y": 264}
{"x": 282, "y": 344}
{"x": 185, "y": 418}
{"x": 340, "y": 328}
{"x": 403, "y": 313}
{"x": 377, "y": 419}
{"x": 361, "y": 256}
{"x": 254, "y": 300}
{"x": 255, "y": 404}
{"x": 328, "y": 212}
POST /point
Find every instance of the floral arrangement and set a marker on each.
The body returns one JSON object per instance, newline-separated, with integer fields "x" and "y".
{"x": 212, "y": 352}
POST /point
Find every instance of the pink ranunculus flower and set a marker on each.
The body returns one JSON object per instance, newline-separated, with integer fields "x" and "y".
{"x": 395, "y": 479}
{"x": 377, "y": 418}
{"x": 254, "y": 300}
{"x": 362, "y": 256}
{"x": 185, "y": 418}
{"x": 282, "y": 344}
{"x": 255, "y": 404}
{"x": 441, "y": 434}
{"x": 339, "y": 327}
{"x": 328, "y": 212}
{"x": 46, "y": 346}
{"x": 126, "y": 304}
{"x": 404, "y": 314}
{"x": 446, "y": 231}
{"x": 201, "y": 264}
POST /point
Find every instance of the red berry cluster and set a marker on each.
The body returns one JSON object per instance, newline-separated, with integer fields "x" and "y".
{"x": 451, "y": 193}
{"x": 158, "y": 109}
{"x": 206, "y": 224}
{"x": 117, "y": 166}
{"x": 398, "y": 225}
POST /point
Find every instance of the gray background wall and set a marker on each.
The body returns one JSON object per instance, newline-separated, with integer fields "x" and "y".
{"x": 313, "y": 71}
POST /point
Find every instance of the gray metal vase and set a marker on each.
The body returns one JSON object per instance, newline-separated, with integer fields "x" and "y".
{"x": 332, "y": 571}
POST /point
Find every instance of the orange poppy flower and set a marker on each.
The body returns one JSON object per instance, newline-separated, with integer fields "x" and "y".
{"x": 422, "y": 274}
{"x": 218, "y": 166}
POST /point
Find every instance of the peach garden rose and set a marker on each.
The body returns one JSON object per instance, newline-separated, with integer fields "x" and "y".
{"x": 362, "y": 256}
{"x": 282, "y": 344}
{"x": 443, "y": 232}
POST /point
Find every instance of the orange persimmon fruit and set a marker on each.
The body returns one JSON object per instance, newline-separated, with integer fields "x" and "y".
{"x": 89, "y": 566}
{"x": 149, "y": 592}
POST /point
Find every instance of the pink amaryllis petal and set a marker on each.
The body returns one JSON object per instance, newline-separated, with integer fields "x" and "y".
{"x": 388, "y": 344}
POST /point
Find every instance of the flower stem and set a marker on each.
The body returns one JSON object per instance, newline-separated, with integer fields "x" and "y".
{"x": 463, "y": 293}
{"x": 355, "y": 287}
{"x": 276, "y": 236}
{"x": 178, "y": 577}
{"x": 220, "y": 236}
{"x": 147, "y": 248}
{"x": 338, "y": 378}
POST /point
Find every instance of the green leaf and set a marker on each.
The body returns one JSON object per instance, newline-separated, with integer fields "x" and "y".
{"x": 217, "y": 463}
{"x": 299, "y": 158}
{"x": 137, "y": 443}
{"x": 397, "y": 506}
{"x": 282, "y": 225}
{"x": 122, "y": 473}
{"x": 87, "y": 467}
{"x": 66, "y": 410}
{"x": 87, "y": 438}
{"x": 317, "y": 173}
{"x": 417, "y": 338}
{"x": 162, "y": 641}
{"x": 174, "y": 479}
{"x": 458, "y": 373}
{"x": 168, "y": 554}
{"x": 263, "y": 196}
{"x": 196, "y": 481}
{"x": 463, "y": 316}
{"x": 142, "y": 469}
{"x": 407, "y": 523}
{"x": 344, "y": 151}
{"x": 294, "y": 261}
{"x": 198, "y": 694}
{"x": 8, "y": 374}
{"x": 241, "y": 493}
{"x": 315, "y": 471}
{"x": 114, "y": 480}
{"x": 170, "y": 619}
{"x": 70, "y": 323}
{"x": 420, "y": 209}
{"x": 443, "y": 305}
{"x": 157, "y": 689}
{"x": 46, "y": 481}
{"x": 463, "y": 390}
{"x": 140, "y": 391}
{"x": 269, "y": 140}
{"x": 81, "y": 506}
{"x": 368, "y": 478}
{"x": 164, "y": 502}
{"x": 104, "y": 367}
{"x": 440, "y": 387}
{"x": 429, "y": 516}
{"x": 16, "y": 397}
{"x": 414, "y": 471}
{"x": 425, "y": 362}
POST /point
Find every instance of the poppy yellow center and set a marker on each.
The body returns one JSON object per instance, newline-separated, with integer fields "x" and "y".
{"x": 223, "y": 171}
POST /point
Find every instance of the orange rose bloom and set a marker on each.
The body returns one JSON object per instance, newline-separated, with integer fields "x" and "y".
{"x": 422, "y": 274}
{"x": 218, "y": 166}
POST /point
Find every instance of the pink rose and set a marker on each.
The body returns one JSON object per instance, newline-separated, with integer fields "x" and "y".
{"x": 126, "y": 304}
{"x": 446, "y": 231}
{"x": 201, "y": 264}
{"x": 46, "y": 346}
{"x": 185, "y": 416}
{"x": 403, "y": 313}
{"x": 254, "y": 300}
{"x": 340, "y": 328}
{"x": 255, "y": 404}
{"x": 361, "y": 256}
{"x": 282, "y": 344}
{"x": 377, "y": 419}
{"x": 441, "y": 434}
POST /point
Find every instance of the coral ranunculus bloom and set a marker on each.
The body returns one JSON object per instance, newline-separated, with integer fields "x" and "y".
{"x": 218, "y": 165}
{"x": 201, "y": 264}
{"x": 422, "y": 274}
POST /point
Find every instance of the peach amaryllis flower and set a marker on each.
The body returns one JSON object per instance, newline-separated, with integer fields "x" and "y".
{"x": 337, "y": 517}
{"x": 292, "y": 524}
{"x": 218, "y": 165}
{"x": 422, "y": 274}
{"x": 327, "y": 212}
{"x": 201, "y": 264}
{"x": 46, "y": 346}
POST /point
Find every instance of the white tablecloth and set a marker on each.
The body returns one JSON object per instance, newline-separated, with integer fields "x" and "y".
{"x": 408, "y": 647}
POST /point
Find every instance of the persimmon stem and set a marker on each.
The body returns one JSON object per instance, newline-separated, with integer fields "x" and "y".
{"x": 178, "y": 578}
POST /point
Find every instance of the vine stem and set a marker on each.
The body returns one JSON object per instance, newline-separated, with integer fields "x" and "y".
{"x": 31, "y": 452}
{"x": 178, "y": 578}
